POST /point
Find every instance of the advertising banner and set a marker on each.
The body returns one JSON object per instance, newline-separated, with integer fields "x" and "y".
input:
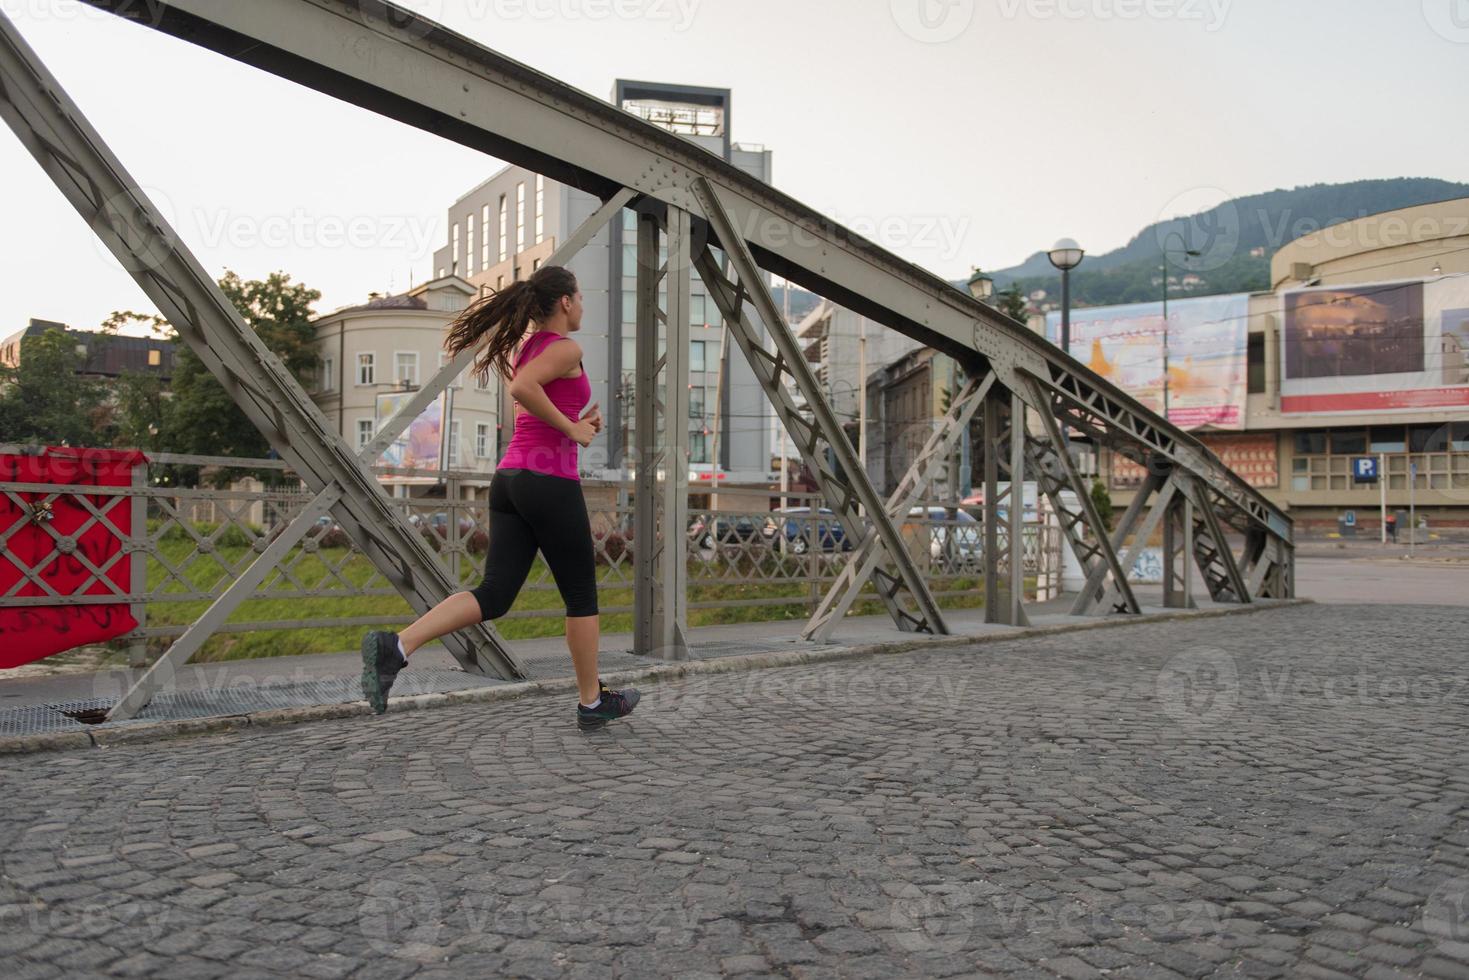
{"x": 1376, "y": 347}
{"x": 421, "y": 444}
{"x": 1207, "y": 354}
{"x": 1252, "y": 456}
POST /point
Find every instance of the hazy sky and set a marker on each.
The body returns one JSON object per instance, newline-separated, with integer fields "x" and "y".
{"x": 954, "y": 132}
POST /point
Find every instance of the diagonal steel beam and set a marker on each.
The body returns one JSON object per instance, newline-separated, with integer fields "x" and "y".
{"x": 1159, "y": 510}
{"x": 56, "y": 132}
{"x": 1093, "y": 520}
{"x": 863, "y": 563}
{"x": 422, "y": 398}
{"x": 855, "y": 487}
{"x": 1093, "y": 590}
{"x": 1216, "y": 561}
{"x": 162, "y": 672}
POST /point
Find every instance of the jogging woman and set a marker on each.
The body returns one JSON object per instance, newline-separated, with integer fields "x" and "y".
{"x": 536, "y": 499}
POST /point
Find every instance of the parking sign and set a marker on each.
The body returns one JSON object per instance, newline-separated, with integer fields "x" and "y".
{"x": 1364, "y": 469}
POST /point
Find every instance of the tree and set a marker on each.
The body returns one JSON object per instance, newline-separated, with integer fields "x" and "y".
{"x": 141, "y": 400}
{"x": 1102, "y": 499}
{"x": 204, "y": 420}
{"x": 1011, "y": 302}
{"x": 43, "y": 400}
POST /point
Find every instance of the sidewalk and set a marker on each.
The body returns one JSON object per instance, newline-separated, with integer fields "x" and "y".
{"x": 282, "y": 689}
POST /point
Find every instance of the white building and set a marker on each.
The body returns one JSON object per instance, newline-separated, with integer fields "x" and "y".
{"x": 395, "y": 344}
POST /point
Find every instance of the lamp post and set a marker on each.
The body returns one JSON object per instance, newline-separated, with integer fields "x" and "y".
{"x": 1187, "y": 253}
{"x": 1066, "y": 255}
{"x": 981, "y": 286}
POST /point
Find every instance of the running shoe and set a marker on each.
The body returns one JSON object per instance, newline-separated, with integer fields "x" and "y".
{"x": 615, "y": 704}
{"x": 381, "y": 662}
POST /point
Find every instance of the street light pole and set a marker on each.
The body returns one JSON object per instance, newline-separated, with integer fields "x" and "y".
{"x": 1187, "y": 252}
{"x": 1066, "y": 255}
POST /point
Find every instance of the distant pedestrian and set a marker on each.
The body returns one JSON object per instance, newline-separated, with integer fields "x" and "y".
{"x": 1392, "y": 527}
{"x": 536, "y": 501}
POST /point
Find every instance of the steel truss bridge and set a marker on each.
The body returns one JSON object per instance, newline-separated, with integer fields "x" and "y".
{"x": 714, "y": 221}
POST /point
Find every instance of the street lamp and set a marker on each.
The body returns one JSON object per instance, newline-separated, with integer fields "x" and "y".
{"x": 1187, "y": 254}
{"x": 1066, "y": 255}
{"x": 981, "y": 286}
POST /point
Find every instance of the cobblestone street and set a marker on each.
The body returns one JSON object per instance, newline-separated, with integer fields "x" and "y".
{"x": 1277, "y": 794}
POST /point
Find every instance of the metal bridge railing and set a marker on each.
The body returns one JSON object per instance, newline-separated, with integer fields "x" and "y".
{"x": 196, "y": 541}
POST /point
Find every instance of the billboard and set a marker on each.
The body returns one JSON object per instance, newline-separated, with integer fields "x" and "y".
{"x": 1252, "y": 456}
{"x": 421, "y": 444}
{"x": 1208, "y": 339}
{"x": 1376, "y": 347}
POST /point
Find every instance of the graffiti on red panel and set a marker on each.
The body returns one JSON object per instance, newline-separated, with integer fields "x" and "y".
{"x": 34, "y": 526}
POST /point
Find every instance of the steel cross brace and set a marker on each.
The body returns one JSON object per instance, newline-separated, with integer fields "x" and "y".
{"x": 163, "y": 670}
{"x": 862, "y": 566}
{"x": 852, "y": 487}
{"x": 1216, "y": 561}
{"x": 1093, "y": 591}
{"x": 53, "y": 128}
{"x": 661, "y": 438}
{"x": 1055, "y": 471}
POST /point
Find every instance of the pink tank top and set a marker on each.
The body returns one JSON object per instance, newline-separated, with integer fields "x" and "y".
{"x": 536, "y": 445}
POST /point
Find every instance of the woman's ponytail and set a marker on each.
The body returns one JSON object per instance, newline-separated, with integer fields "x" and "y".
{"x": 505, "y": 315}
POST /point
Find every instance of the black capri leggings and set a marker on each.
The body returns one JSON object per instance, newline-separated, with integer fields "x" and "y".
{"x": 530, "y": 510}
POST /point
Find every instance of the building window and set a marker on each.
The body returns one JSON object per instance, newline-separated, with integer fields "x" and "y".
{"x": 469, "y": 243}
{"x": 484, "y": 238}
{"x": 454, "y": 442}
{"x": 499, "y": 283}
{"x": 696, "y": 402}
{"x": 696, "y": 356}
{"x": 364, "y": 432}
{"x": 405, "y": 367}
{"x": 504, "y": 228}
{"x": 520, "y": 217}
{"x": 540, "y": 208}
{"x": 696, "y": 310}
{"x": 629, "y": 353}
{"x": 1311, "y": 443}
{"x": 366, "y": 369}
{"x": 481, "y": 440}
{"x": 535, "y": 264}
{"x": 629, "y": 308}
{"x": 698, "y": 447}
{"x": 1255, "y": 364}
{"x": 454, "y": 255}
{"x": 328, "y": 374}
{"x": 441, "y": 272}
{"x": 1348, "y": 442}
{"x": 155, "y": 358}
{"x": 1389, "y": 439}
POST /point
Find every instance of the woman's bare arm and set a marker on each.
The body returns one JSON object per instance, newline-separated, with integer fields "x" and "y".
{"x": 529, "y": 389}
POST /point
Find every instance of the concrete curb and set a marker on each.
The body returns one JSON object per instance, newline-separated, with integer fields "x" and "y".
{"x": 108, "y": 737}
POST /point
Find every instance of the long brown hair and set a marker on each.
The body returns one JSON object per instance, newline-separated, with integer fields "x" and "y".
{"x": 505, "y": 315}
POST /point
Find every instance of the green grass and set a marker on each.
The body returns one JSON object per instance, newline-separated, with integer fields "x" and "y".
{"x": 202, "y": 573}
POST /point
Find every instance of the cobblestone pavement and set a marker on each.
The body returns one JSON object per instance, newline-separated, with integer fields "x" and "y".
{"x": 1279, "y": 794}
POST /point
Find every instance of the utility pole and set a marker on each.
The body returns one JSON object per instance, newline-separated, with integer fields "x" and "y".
{"x": 862, "y": 395}
{"x": 785, "y": 473}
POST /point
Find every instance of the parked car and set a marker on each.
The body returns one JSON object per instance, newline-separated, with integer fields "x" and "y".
{"x": 794, "y": 528}
{"x": 439, "y": 521}
{"x": 956, "y": 535}
{"x": 734, "y": 529}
